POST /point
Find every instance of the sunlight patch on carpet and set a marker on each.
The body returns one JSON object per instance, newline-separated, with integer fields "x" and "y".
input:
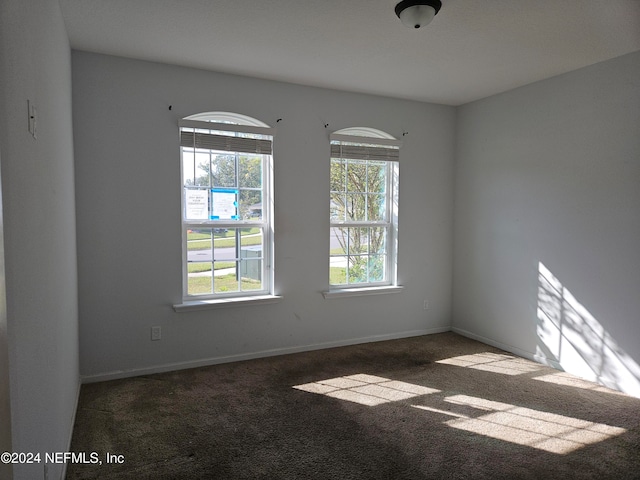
{"x": 569, "y": 380}
{"x": 541, "y": 430}
{"x": 493, "y": 362}
{"x": 545, "y": 431}
{"x": 365, "y": 389}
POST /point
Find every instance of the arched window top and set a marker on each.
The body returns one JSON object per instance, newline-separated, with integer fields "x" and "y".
{"x": 365, "y": 136}
{"x": 227, "y": 117}
{"x": 365, "y": 132}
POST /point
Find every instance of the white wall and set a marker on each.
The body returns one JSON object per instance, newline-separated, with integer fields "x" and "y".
{"x": 547, "y": 221}
{"x": 5, "y": 401}
{"x": 128, "y": 214}
{"x": 39, "y": 231}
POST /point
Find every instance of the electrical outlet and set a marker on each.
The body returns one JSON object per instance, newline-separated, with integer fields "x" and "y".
{"x": 425, "y": 305}
{"x": 156, "y": 333}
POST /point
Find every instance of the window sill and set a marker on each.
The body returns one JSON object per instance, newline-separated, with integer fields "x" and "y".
{"x": 358, "y": 292}
{"x": 196, "y": 305}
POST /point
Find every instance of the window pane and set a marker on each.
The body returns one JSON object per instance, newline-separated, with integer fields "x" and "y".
{"x": 251, "y": 254}
{"x": 250, "y": 175}
{"x": 224, "y": 244}
{"x": 226, "y": 277}
{"x": 377, "y": 270}
{"x": 378, "y": 240}
{"x": 252, "y": 238}
{"x": 338, "y": 202}
{"x": 366, "y": 259}
{"x": 199, "y": 278}
{"x": 357, "y": 270}
{"x": 202, "y": 168}
{"x": 199, "y": 245}
{"x": 251, "y": 274}
{"x": 188, "y": 166}
{"x": 376, "y": 208}
{"x": 356, "y": 206}
{"x": 223, "y": 170}
{"x": 357, "y": 176}
{"x": 377, "y": 177}
{"x": 339, "y": 240}
{"x": 251, "y": 205}
{"x": 358, "y": 241}
{"x": 338, "y": 270}
{"x": 199, "y": 261}
{"x": 338, "y": 172}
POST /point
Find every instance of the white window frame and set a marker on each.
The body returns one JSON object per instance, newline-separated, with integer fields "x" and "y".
{"x": 378, "y": 142}
{"x": 234, "y": 124}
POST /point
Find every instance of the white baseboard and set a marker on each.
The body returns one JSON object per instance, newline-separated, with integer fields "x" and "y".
{"x": 168, "y": 367}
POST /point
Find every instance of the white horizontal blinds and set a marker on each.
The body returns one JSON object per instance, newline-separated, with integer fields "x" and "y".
{"x": 225, "y": 143}
{"x": 364, "y": 152}
{"x": 364, "y": 148}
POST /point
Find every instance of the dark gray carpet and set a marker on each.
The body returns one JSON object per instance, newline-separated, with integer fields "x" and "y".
{"x": 433, "y": 407}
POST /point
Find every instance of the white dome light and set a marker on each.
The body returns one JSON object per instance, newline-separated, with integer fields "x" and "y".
{"x": 416, "y": 14}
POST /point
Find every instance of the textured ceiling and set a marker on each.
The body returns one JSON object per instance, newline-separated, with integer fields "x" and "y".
{"x": 472, "y": 49}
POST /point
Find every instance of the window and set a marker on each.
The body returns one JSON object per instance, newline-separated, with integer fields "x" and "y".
{"x": 226, "y": 217}
{"x": 364, "y": 189}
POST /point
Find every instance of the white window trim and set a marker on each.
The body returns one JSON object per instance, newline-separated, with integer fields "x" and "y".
{"x": 362, "y": 291}
{"x": 232, "y": 122}
{"x": 210, "y": 304}
{"x": 392, "y": 142}
{"x": 227, "y": 118}
{"x": 227, "y": 127}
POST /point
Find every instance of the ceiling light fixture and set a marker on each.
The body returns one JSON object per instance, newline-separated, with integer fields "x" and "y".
{"x": 416, "y": 14}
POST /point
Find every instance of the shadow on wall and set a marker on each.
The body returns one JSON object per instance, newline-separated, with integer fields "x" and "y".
{"x": 571, "y": 339}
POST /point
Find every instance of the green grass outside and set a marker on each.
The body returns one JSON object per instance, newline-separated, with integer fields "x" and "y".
{"x": 197, "y": 236}
{"x": 337, "y": 275}
{"x": 206, "y": 267}
{"x": 225, "y": 283}
{"x": 199, "y": 245}
{"x": 197, "y": 285}
{"x": 223, "y": 243}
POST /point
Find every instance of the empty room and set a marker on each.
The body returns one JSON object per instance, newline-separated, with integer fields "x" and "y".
{"x": 361, "y": 239}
